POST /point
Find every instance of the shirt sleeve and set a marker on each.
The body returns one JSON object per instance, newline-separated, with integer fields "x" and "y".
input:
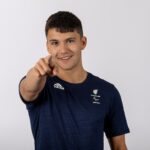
{"x": 115, "y": 121}
{"x": 30, "y": 105}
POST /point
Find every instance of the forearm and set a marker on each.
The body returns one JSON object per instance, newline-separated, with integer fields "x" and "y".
{"x": 117, "y": 143}
{"x": 119, "y": 148}
{"x": 35, "y": 79}
{"x": 31, "y": 85}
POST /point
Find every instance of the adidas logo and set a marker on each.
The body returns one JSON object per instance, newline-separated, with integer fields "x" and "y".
{"x": 58, "y": 86}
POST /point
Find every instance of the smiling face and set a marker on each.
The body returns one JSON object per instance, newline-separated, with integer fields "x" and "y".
{"x": 65, "y": 49}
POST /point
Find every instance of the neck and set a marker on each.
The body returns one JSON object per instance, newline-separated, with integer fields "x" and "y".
{"x": 73, "y": 76}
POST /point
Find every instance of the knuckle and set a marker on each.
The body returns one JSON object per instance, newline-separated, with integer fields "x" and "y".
{"x": 41, "y": 60}
{"x": 36, "y": 66}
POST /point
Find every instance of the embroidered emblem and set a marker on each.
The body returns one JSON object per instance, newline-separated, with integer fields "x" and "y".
{"x": 58, "y": 86}
{"x": 95, "y": 96}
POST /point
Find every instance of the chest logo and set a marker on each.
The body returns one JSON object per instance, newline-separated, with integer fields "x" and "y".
{"x": 95, "y": 96}
{"x": 58, "y": 86}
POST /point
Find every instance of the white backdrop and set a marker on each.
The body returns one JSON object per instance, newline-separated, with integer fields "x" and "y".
{"x": 118, "y": 51}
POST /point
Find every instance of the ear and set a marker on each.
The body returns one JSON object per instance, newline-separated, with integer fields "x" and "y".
{"x": 84, "y": 42}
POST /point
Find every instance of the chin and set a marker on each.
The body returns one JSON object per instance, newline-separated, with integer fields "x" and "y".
{"x": 66, "y": 67}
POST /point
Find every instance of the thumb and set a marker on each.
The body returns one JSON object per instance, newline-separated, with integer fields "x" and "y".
{"x": 55, "y": 71}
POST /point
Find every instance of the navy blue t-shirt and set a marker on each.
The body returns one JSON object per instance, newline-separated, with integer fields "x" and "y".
{"x": 68, "y": 116}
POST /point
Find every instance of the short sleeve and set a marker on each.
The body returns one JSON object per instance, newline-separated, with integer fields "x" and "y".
{"x": 115, "y": 121}
{"x": 30, "y": 105}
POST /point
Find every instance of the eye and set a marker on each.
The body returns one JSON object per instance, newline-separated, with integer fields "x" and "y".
{"x": 70, "y": 41}
{"x": 55, "y": 43}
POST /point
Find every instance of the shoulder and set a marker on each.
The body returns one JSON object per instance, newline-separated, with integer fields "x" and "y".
{"x": 102, "y": 83}
{"x": 104, "y": 86}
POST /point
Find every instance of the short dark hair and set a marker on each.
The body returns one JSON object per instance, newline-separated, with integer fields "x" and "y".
{"x": 64, "y": 21}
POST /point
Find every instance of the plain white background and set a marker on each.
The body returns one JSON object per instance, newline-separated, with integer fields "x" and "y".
{"x": 118, "y": 51}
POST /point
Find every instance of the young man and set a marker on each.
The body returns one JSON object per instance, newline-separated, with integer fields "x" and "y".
{"x": 70, "y": 108}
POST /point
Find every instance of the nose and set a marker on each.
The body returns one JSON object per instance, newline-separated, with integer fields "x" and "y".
{"x": 63, "y": 48}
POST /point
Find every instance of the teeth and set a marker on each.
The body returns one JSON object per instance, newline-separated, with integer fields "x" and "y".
{"x": 65, "y": 58}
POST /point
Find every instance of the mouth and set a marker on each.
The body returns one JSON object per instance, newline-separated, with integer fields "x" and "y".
{"x": 65, "y": 58}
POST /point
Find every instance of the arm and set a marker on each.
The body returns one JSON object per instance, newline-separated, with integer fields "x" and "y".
{"x": 32, "y": 85}
{"x": 117, "y": 143}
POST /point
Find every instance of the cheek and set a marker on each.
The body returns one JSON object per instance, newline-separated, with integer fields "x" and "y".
{"x": 52, "y": 51}
{"x": 75, "y": 48}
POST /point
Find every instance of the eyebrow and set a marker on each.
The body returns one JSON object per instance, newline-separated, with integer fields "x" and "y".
{"x": 70, "y": 38}
{"x": 53, "y": 40}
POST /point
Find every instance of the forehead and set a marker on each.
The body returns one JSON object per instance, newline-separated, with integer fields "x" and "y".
{"x": 54, "y": 34}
